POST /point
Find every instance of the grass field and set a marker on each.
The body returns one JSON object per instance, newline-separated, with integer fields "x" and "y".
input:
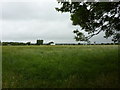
{"x": 80, "y": 66}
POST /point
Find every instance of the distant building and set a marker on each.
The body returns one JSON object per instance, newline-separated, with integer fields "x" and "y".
{"x": 39, "y": 42}
{"x": 52, "y": 44}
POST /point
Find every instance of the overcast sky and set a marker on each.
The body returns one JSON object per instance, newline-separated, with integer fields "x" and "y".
{"x": 29, "y": 20}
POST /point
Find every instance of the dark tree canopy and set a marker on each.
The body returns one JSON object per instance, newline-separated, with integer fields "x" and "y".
{"x": 94, "y": 17}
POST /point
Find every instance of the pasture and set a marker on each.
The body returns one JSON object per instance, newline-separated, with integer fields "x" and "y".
{"x": 79, "y": 66}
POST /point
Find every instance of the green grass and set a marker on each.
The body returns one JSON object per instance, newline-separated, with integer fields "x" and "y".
{"x": 60, "y": 66}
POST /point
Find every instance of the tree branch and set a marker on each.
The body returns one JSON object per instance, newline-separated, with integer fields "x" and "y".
{"x": 94, "y": 34}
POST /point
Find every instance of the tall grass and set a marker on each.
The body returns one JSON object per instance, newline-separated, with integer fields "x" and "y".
{"x": 60, "y": 66}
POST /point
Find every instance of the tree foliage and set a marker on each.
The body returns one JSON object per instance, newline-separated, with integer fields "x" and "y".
{"x": 93, "y": 18}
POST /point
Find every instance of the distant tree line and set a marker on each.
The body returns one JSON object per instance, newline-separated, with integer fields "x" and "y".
{"x": 99, "y": 44}
{"x": 85, "y": 43}
{"x": 15, "y": 43}
{"x": 40, "y": 42}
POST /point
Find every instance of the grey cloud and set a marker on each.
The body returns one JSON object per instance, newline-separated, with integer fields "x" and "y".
{"x": 26, "y": 30}
{"x": 28, "y": 21}
{"x": 30, "y": 10}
